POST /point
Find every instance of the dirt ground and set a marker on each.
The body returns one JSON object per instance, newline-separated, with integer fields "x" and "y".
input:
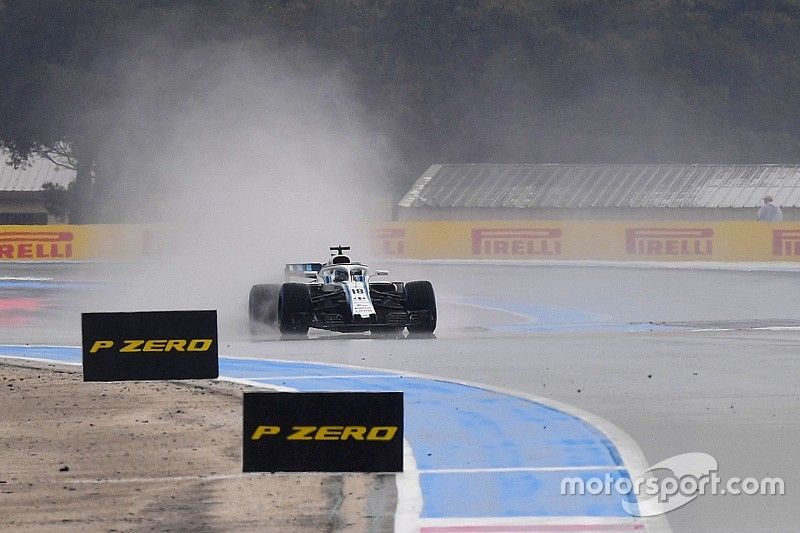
{"x": 149, "y": 456}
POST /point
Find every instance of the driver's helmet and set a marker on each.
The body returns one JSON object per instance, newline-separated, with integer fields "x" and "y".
{"x": 340, "y": 275}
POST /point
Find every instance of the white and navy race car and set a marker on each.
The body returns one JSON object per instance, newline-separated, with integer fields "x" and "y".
{"x": 342, "y": 295}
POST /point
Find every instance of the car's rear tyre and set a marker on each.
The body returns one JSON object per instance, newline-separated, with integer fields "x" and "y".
{"x": 294, "y": 309}
{"x": 420, "y": 297}
{"x": 263, "y": 307}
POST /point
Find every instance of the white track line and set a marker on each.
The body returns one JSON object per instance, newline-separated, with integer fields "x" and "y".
{"x": 409, "y": 494}
{"x": 256, "y": 384}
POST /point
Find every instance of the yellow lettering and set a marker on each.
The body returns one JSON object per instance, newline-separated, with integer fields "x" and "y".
{"x": 199, "y": 345}
{"x": 329, "y": 433}
{"x": 100, "y": 345}
{"x": 265, "y": 430}
{"x": 382, "y": 433}
{"x": 132, "y": 346}
{"x": 356, "y": 432}
{"x": 154, "y": 345}
{"x": 301, "y": 433}
{"x": 179, "y": 345}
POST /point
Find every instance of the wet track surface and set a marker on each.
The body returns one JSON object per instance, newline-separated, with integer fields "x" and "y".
{"x": 681, "y": 360}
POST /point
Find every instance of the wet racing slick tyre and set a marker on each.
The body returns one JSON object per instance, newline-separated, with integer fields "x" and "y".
{"x": 420, "y": 297}
{"x": 294, "y": 309}
{"x": 263, "y": 307}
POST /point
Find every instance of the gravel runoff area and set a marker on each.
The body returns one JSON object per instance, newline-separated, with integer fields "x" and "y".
{"x": 166, "y": 456}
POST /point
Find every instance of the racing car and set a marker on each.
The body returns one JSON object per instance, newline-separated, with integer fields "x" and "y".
{"x": 343, "y": 296}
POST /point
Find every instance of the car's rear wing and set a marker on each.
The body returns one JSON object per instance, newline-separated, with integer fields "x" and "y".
{"x": 297, "y": 271}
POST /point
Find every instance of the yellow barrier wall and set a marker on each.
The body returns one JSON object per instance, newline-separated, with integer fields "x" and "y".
{"x": 520, "y": 240}
{"x": 598, "y": 240}
{"x": 77, "y": 243}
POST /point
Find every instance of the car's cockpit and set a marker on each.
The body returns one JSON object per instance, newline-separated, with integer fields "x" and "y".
{"x": 343, "y": 273}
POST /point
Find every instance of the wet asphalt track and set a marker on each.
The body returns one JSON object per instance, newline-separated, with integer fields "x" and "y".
{"x": 620, "y": 343}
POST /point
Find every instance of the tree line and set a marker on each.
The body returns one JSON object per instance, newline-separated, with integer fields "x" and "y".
{"x": 445, "y": 81}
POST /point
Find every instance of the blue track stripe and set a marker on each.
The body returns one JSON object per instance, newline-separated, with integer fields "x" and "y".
{"x": 56, "y": 353}
{"x": 456, "y": 426}
{"x": 511, "y": 494}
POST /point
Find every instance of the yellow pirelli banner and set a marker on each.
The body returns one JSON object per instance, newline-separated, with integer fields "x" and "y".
{"x": 102, "y": 242}
{"x": 505, "y": 240}
{"x": 590, "y": 240}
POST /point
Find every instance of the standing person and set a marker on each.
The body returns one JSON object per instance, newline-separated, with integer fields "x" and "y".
{"x": 769, "y": 212}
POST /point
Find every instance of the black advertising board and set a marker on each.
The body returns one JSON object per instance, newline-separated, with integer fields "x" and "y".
{"x": 322, "y": 432}
{"x": 153, "y": 345}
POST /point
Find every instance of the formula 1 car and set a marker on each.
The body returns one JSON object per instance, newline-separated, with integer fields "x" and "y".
{"x": 342, "y": 295}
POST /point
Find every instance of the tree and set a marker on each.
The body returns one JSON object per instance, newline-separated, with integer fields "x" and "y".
{"x": 59, "y": 200}
{"x": 53, "y": 77}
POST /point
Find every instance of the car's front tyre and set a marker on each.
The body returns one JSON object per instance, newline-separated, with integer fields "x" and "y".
{"x": 294, "y": 309}
{"x": 420, "y": 297}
